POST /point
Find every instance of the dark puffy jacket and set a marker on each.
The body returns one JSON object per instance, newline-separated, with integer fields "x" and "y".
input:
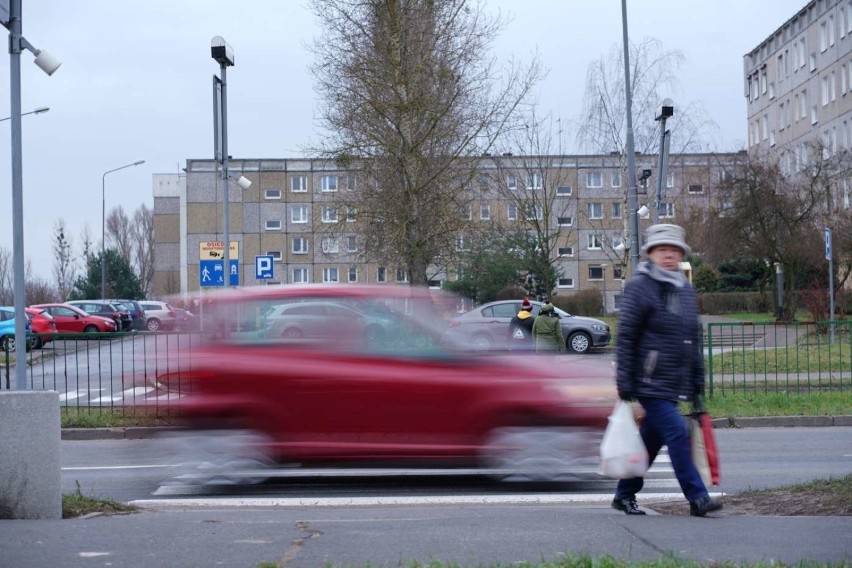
{"x": 659, "y": 352}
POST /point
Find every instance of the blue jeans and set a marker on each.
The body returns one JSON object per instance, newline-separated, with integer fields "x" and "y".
{"x": 663, "y": 425}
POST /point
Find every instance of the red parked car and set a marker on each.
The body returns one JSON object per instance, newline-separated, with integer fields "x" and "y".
{"x": 70, "y": 319}
{"x": 255, "y": 397}
{"x": 42, "y": 323}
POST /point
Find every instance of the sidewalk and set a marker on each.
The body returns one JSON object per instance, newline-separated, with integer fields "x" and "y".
{"x": 470, "y": 535}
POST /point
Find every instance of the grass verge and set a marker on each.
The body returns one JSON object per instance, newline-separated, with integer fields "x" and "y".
{"x": 76, "y": 505}
{"x": 117, "y": 417}
{"x": 726, "y": 404}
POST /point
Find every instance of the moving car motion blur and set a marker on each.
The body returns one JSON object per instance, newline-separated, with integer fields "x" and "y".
{"x": 351, "y": 392}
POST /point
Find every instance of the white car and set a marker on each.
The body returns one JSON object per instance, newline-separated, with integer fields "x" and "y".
{"x": 159, "y": 316}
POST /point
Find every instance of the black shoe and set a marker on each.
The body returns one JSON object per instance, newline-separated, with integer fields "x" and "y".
{"x": 704, "y": 505}
{"x": 628, "y": 505}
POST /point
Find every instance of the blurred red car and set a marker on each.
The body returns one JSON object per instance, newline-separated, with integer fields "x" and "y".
{"x": 70, "y": 319}
{"x": 259, "y": 397}
{"x": 42, "y": 324}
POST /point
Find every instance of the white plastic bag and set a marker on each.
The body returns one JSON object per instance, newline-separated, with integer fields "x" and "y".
{"x": 623, "y": 454}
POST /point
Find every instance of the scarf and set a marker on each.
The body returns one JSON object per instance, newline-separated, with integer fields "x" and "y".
{"x": 673, "y": 277}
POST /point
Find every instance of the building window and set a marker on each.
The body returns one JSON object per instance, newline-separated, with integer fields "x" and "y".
{"x": 667, "y": 210}
{"x": 351, "y": 243}
{"x": 329, "y": 214}
{"x": 565, "y": 283}
{"x": 565, "y": 221}
{"x": 272, "y": 193}
{"x": 435, "y": 284}
{"x": 823, "y": 36}
{"x": 330, "y": 275}
{"x": 812, "y": 62}
{"x": 273, "y": 225}
{"x": 594, "y": 210}
{"x": 351, "y": 214}
{"x": 275, "y": 254}
{"x": 299, "y": 184}
{"x": 814, "y": 114}
{"x": 593, "y": 242}
{"x": 534, "y": 180}
{"x": 824, "y": 91}
{"x": 565, "y": 251}
{"x": 330, "y": 245}
{"x": 299, "y": 214}
{"x": 461, "y": 242}
{"x": 596, "y": 273}
{"x": 594, "y": 179}
{"x": 616, "y": 209}
{"x": 328, "y": 184}
{"x": 618, "y": 271}
{"x": 350, "y": 183}
{"x": 512, "y": 214}
{"x": 467, "y": 213}
{"x": 381, "y": 274}
{"x": 485, "y": 212}
{"x": 695, "y": 188}
{"x": 534, "y": 213}
{"x": 615, "y": 179}
{"x": 564, "y": 190}
{"x": 670, "y": 179}
{"x": 300, "y": 245}
{"x": 511, "y": 182}
{"x": 300, "y": 276}
{"x": 401, "y": 275}
{"x": 353, "y": 274}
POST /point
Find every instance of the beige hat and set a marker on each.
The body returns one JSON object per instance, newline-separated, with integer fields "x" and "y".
{"x": 657, "y": 235}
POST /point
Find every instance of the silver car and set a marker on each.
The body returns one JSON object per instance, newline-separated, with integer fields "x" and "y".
{"x": 487, "y": 327}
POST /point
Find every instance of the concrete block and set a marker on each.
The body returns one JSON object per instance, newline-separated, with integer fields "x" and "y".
{"x": 30, "y": 471}
{"x": 843, "y": 420}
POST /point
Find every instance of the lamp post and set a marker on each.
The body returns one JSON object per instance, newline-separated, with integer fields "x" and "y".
{"x": 666, "y": 111}
{"x": 103, "y": 223}
{"x": 603, "y": 277}
{"x": 49, "y": 64}
{"x": 223, "y": 54}
{"x": 632, "y": 197}
{"x": 39, "y": 110}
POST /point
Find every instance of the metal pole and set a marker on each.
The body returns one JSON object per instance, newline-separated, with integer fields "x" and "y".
{"x": 632, "y": 198}
{"x": 15, "y": 32}
{"x": 103, "y": 223}
{"x": 830, "y": 256}
{"x": 226, "y": 222}
{"x": 779, "y": 284}
{"x": 661, "y": 170}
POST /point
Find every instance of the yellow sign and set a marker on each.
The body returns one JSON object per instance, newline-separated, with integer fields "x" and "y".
{"x": 215, "y": 250}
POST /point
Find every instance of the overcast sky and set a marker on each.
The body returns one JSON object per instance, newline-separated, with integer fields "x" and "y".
{"x": 135, "y": 84}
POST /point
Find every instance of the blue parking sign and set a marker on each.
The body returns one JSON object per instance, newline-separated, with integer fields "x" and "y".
{"x": 264, "y": 267}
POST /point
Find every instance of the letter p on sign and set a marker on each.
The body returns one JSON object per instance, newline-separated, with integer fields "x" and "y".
{"x": 263, "y": 267}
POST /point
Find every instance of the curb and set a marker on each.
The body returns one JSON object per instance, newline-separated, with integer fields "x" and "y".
{"x": 148, "y": 432}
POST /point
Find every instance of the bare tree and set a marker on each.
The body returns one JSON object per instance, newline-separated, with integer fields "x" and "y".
{"x": 775, "y": 211}
{"x": 409, "y": 97}
{"x": 64, "y": 271}
{"x": 143, "y": 246}
{"x": 119, "y": 233}
{"x": 7, "y": 287}
{"x": 87, "y": 243}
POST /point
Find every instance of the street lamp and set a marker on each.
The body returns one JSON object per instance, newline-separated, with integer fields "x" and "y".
{"x": 632, "y": 197}
{"x": 666, "y": 111}
{"x": 49, "y": 64}
{"x": 39, "y": 110}
{"x": 603, "y": 276}
{"x": 103, "y": 223}
{"x": 223, "y": 54}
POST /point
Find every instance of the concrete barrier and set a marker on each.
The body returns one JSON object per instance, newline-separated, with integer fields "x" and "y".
{"x": 30, "y": 472}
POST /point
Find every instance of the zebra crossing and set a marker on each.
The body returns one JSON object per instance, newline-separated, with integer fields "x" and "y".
{"x": 107, "y": 397}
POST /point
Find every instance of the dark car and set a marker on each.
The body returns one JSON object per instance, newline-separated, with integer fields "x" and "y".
{"x": 346, "y": 396}
{"x": 137, "y": 314}
{"x": 487, "y": 327}
{"x": 118, "y": 313}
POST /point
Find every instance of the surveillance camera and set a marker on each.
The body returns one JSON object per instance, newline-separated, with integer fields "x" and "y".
{"x": 666, "y": 110}
{"x": 643, "y": 212}
{"x": 645, "y": 175}
{"x": 46, "y": 62}
{"x": 244, "y": 183}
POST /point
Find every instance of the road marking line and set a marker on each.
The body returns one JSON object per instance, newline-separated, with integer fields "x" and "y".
{"x": 528, "y": 499}
{"x": 101, "y": 467}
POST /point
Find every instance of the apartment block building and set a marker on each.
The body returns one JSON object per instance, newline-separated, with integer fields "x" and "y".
{"x": 798, "y": 85}
{"x": 291, "y": 203}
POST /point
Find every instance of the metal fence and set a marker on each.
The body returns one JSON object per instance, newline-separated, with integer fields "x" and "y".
{"x": 768, "y": 357}
{"x": 116, "y": 372}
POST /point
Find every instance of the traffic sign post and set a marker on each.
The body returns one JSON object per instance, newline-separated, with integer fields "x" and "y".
{"x": 829, "y": 258}
{"x": 211, "y": 269}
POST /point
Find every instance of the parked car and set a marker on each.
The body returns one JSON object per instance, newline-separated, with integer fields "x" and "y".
{"x": 137, "y": 314}
{"x": 159, "y": 316}
{"x": 71, "y": 319}
{"x": 7, "y": 329}
{"x": 313, "y": 319}
{"x": 42, "y": 324}
{"x": 343, "y": 396}
{"x": 185, "y": 320}
{"x": 487, "y": 327}
{"x": 118, "y": 313}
